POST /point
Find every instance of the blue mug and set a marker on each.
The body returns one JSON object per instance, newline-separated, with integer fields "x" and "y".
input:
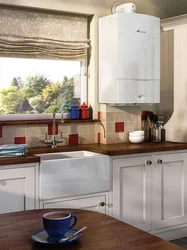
{"x": 57, "y": 224}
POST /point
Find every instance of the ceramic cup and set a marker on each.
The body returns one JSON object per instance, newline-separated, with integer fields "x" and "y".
{"x": 57, "y": 224}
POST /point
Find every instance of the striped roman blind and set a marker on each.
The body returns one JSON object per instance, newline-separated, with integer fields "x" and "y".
{"x": 37, "y": 34}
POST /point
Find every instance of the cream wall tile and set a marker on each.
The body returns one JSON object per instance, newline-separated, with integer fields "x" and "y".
{"x": 84, "y": 129}
{"x": 103, "y": 128}
{"x": 135, "y": 116}
{"x": 34, "y": 142}
{"x": 73, "y": 129}
{"x": 66, "y": 140}
{"x": 121, "y": 137}
{"x": 103, "y": 116}
{"x": 110, "y": 139}
{"x": 64, "y": 128}
{"x": 41, "y": 139}
{"x": 98, "y": 127}
{"x": 8, "y": 140}
{"x": 103, "y": 107}
{"x": 83, "y": 138}
{"x": 102, "y": 138}
{"x": 128, "y": 116}
{"x": 120, "y": 117}
{"x": 87, "y": 139}
{"x": 20, "y": 131}
{"x": 130, "y": 126}
{"x": 93, "y": 138}
{"x": 12, "y": 131}
{"x": 110, "y": 127}
{"x": 110, "y": 117}
{"x": 95, "y": 114}
{"x": 92, "y": 128}
{"x": 37, "y": 131}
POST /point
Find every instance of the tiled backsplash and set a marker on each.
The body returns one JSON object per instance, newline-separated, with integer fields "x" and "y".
{"x": 34, "y": 135}
{"x": 113, "y": 129}
{"x": 118, "y": 124}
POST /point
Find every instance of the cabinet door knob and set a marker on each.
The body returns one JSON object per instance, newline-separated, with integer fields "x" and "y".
{"x": 102, "y": 204}
{"x": 149, "y": 162}
{"x": 159, "y": 161}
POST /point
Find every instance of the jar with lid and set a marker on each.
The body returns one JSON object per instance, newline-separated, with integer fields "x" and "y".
{"x": 74, "y": 112}
{"x": 84, "y": 111}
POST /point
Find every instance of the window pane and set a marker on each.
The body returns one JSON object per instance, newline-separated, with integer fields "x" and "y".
{"x": 36, "y": 86}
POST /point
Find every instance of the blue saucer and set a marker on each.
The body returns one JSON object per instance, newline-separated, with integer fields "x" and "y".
{"x": 43, "y": 237}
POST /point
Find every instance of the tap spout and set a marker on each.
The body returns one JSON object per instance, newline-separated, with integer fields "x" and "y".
{"x": 54, "y": 124}
{"x": 54, "y": 140}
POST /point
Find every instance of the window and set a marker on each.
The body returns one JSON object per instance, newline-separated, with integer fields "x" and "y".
{"x": 42, "y": 62}
{"x": 36, "y": 86}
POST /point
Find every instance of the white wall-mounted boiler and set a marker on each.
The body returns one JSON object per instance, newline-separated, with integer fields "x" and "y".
{"x": 129, "y": 59}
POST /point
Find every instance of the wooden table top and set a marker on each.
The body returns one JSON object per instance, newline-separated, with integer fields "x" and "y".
{"x": 103, "y": 232}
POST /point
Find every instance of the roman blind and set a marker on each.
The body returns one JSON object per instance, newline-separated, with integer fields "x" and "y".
{"x": 35, "y": 34}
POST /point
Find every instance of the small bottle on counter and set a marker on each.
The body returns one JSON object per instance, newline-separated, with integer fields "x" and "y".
{"x": 144, "y": 125}
{"x": 90, "y": 112}
{"x": 156, "y": 133}
{"x": 163, "y": 133}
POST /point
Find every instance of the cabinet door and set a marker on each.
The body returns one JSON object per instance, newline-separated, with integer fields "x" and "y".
{"x": 132, "y": 191}
{"x": 170, "y": 189}
{"x": 96, "y": 204}
{"x": 17, "y": 189}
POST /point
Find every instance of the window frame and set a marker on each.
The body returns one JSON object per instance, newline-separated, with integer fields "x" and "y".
{"x": 35, "y": 117}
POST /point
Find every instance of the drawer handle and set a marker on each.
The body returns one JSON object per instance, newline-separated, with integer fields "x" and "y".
{"x": 149, "y": 162}
{"x": 159, "y": 161}
{"x": 102, "y": 204}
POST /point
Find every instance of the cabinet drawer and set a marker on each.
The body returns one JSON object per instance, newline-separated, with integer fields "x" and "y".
{"x": 87, "y": 203}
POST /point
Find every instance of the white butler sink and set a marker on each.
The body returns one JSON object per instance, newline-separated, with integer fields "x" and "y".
{"x": 73, "y": 173}
{"x": 63, "y": 155}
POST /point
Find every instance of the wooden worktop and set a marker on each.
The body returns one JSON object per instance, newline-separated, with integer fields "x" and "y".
{"x": 103, "y": 232}
{"x": 109, "y": 149}
{"x": 129, "y": 148}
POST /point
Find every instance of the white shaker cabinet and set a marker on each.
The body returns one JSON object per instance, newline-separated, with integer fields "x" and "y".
{"x": 170, "y": 190}
{"x": 150, "y": 192}
{"x": 132, "y": 191}
{"x": 18, "y": 188}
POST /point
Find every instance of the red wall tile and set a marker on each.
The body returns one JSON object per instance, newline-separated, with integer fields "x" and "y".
{"x": 1, "y": 131}
{"x": 99, "y": 115}
{"x": 73, "y": 139}
{"x": 98, "y": 137}
{"x": 119, "y": 127}
{"x": 50, "y": 129}
{"x": 19, "y": 140}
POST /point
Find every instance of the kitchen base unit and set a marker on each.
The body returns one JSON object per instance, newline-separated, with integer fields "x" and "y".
{"x": 18, "y": 187}
{"x": 132, "y": 191}
{"x": 98, "y": 202}
{"x": 150, "y": 192}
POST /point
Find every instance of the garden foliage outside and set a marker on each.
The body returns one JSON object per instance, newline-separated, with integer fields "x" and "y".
{"x": 37, "y": 95}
